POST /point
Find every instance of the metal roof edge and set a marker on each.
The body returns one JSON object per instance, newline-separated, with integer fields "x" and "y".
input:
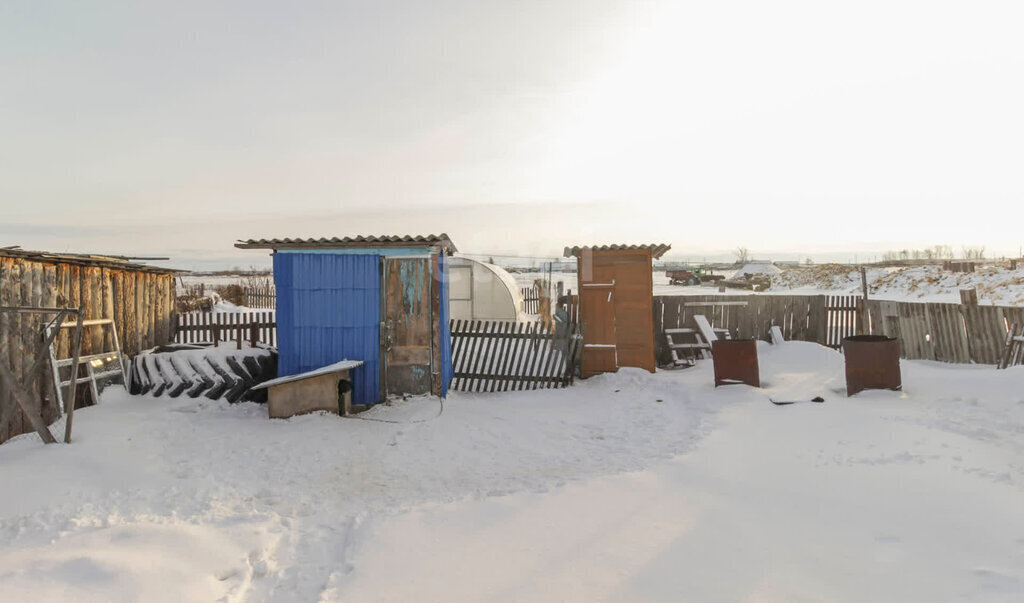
{"x": 406, "y": 241}
{"x": 657, "y": 249}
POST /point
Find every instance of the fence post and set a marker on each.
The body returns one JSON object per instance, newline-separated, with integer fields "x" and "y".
{"x": 215, "y": 329}
{"x": 862, "y": 310}
{"x": 254, "y": 333}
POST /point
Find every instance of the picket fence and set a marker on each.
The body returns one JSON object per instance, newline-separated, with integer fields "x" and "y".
{"x": 531, "y": 300}
{"x": 240, "y": 327}
{"x": 495, "y": 355}
{"x": 260, "y": 297}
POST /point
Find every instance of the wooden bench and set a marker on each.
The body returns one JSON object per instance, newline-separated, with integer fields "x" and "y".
{"x": 699, "y": 344}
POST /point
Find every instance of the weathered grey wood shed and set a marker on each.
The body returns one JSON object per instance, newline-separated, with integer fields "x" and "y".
{"x": 139, "y": 297}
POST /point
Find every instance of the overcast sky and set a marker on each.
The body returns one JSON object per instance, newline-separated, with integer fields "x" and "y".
{"x": 515, "y": 127}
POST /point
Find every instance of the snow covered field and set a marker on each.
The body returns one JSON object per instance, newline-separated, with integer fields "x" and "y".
{"x": 996, "y": 285}
{"x": 625, "y": 487}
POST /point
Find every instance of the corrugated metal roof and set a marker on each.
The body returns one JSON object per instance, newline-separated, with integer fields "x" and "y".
{"x": 117, "y": 262}
{"x": 657, "y": 250}
{"x": 440, "y": 240}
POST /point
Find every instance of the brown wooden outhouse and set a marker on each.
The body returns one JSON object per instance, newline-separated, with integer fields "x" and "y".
{"x": 616, "y": 306}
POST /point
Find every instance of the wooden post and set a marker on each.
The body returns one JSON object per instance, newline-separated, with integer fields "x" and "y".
{"x": 76, "y": 343}
{"x": 863, "y": 327}
{"x": 14, "y": 386}
{"x": 254, "y": 333}
{"x": 969, "y": 297}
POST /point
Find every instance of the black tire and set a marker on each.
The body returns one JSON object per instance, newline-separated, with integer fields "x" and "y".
{"x": 154, "y": 372}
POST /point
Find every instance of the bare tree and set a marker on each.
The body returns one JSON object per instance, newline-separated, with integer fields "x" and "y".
{"x": 742, "y": 255}
{"x": 974, "y": 253}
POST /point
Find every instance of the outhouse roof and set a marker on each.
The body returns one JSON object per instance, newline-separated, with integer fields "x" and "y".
{"x": 657, "y": 250}
{"x": 387, "y": 241}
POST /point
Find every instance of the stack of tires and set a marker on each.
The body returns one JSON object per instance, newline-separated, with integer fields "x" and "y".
{"x": 203, "y": 370}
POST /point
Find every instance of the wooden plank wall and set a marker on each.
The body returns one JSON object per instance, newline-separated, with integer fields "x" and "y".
{"x": 945, "y": 332}
{"x": 141, "y": 303}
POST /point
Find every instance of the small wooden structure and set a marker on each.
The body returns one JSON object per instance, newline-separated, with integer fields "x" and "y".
{"x": 328, "y": 388}
{"x": 138, "y": 297}
{"x": 616, "y": 306}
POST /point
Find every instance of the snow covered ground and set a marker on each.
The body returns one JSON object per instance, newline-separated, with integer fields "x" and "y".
{"x": 997, "y": 285}
{"x": 625, "y": 487}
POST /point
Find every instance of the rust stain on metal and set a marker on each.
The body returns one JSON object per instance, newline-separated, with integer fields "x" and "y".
{"x": 872, "y": 362}
{"x": 736, "y": 362}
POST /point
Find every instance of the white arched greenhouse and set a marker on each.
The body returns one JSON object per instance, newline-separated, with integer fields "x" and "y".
{"x": 481, "y": 291}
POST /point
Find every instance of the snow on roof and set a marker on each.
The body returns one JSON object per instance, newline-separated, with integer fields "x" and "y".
{"x": 344, "y": 365}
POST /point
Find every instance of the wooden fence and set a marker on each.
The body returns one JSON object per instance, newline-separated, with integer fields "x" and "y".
{"x": 260, "y": 297}
{"x": 945, "y": 332}
{"x": 842, "y": 318}
{"x": 207, "y": 327}
{"x": 531, "y": 300}
{"x": 961, "y": 333}
{"x": 494, "y": 355}
{"x": 824, "y": 319}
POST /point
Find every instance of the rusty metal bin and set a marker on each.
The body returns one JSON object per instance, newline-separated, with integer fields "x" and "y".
{"x": 736, "y": 362}
{"x": 872, "y": 362}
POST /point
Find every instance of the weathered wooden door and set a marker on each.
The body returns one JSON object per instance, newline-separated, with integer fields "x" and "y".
{"x": 597, "y": 315}
{"x": 616, "y": 310}
{"x": 408, "y": 318}
{"x": 634, "y": 310}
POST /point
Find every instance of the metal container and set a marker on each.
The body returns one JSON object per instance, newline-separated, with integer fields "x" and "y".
{"x": 736, "y": 362}
{"x": 872, "y": 362}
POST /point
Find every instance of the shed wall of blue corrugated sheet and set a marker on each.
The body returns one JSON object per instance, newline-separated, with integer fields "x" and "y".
{"x": 328, "y": 309}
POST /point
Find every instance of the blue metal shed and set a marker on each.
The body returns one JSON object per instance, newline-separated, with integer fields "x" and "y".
{"x": 382, "y": 300}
